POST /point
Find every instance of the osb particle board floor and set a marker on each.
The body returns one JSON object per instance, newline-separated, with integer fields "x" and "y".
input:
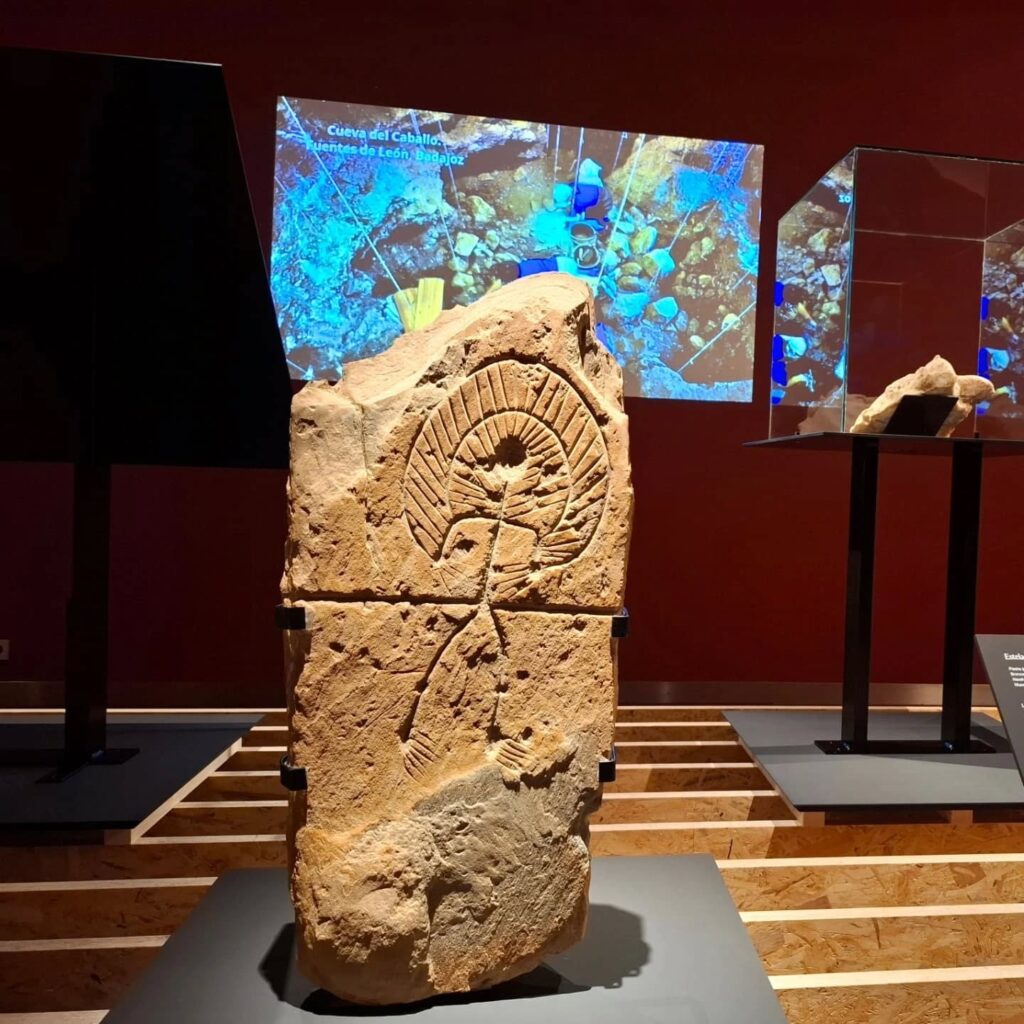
{"x": 885, "y": 922}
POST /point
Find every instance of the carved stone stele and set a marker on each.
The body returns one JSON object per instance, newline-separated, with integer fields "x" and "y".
{"x": 460, "y": 511}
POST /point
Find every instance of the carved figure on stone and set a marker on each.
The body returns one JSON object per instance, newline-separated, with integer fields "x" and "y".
{"x": 460, "y": 509}
{"x": 936, "y": 377}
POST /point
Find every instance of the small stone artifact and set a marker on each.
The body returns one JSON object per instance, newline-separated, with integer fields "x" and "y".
{"x": 936, "y": 377}
{"x": 460, "y": 511}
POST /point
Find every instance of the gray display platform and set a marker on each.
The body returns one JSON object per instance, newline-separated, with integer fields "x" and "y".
{"x": 172, "y": 749}
{"x": 782, "y": 743}
{"x": 664, "y": 944}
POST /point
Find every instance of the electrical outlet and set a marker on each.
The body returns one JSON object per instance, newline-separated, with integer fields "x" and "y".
{"x": 5, "y": 650}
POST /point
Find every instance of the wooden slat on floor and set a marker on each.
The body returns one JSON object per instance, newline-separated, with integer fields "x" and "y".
{"x": 232, "y": 785}
{"x": 679, "y": 752}
{"x": 652, "y": 732}
{"x": 765, "y": 839}
{"x": 880, "y": 941}
{"x": 667, "y": 713}
{"x": 276, "y": 716}
{"x": 690, "y": 806}
{"x": 72, "y": 910}
{"x": 72, "y": 974}
{"x": 223, "y": 818}
{"x": 841, "y": 882}
{"x": 153, "y": 857}
{"x": 650, "y": 778}
{"x": 971, "y": 995}
{"x": 262, "y": 759}
{"x": 266, "y": 736}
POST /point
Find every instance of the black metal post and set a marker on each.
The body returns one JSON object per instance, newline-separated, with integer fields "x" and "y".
{"x": 961, "y": 589}
{"x": 85, "y": 677}
{"x": 860, "y": 579}
{"x": 88, "y": 609}
{"x": 86, "y": 640}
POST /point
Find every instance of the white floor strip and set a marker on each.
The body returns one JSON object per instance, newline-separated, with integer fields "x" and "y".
{"x": 870, "y": 862}
{"x": 862, "y": 913}
{"x": 920, "y": 976}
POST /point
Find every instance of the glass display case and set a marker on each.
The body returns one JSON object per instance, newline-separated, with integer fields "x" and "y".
{"x": 891, "y": 258}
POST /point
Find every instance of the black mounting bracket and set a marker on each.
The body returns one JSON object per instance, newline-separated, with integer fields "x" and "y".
{"x": 920, "y": 415}
{"x": 606, "y": 767}
{"x": 290, "y": 616}
{"x": 620, "y": 623}
{"x": 293, "y": 779}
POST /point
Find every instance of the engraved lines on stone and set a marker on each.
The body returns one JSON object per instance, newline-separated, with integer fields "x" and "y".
{"x": 457, "y": 699}
{"x": 514, "y": 447}
{"x": 515, "y": 756}
{"x": 458, "y": 706}
{"x": 514, "y": 444}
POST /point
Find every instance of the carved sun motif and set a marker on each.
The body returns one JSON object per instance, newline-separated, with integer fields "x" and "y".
{"x": 515, "y": 445}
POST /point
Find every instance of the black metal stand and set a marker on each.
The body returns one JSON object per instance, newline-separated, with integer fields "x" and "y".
{"x": 87, "y": 618}
{"x": 967, "y": 455}
{"x": 961, "y": 586}
{"x": 86, "y": 643}
{"x": 860, "y": 589}
{"x": 195, "y": 277}
{"x": 961, "y": 595}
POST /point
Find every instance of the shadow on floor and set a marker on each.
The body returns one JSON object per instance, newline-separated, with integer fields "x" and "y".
{"x": 612, "y": 950}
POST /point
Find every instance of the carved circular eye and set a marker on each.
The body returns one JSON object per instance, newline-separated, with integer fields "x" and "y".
{"x": 510, "y": 452}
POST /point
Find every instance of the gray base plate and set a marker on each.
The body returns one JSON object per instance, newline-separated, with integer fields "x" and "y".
{"x": 664, "y": 944}
{"x": 782, "y": 742}
{"x": 172, "y": 750}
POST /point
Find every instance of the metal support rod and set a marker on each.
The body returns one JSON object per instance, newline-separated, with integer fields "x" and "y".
{"x": 85, "y": 687}
{"x": 88, "y": 607}
{"x": 860, "y": 573}
{"x": 961, "y": 595}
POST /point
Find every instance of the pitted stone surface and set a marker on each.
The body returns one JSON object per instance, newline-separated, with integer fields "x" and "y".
{"x": 460, "y": 509}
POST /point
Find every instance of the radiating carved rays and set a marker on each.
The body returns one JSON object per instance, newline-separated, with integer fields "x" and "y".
{"x": 514, "y": 443}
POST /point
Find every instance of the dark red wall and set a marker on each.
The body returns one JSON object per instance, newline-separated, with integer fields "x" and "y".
{"x": 736, "y": 571}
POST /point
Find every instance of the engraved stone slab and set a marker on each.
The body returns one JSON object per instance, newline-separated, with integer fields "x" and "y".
{"x": 460, "y": 509}
{"x": 936, "y": 377}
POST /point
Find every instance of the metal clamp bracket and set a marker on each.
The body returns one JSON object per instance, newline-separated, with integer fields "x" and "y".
{"x": 290, "y": 616}
{"x": 620, "y": 623}
{"x": 606, "y": 767}
{"x": 293, "y": 779}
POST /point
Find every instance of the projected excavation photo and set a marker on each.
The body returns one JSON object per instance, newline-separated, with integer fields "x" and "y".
{"x": 385, "y": 217}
